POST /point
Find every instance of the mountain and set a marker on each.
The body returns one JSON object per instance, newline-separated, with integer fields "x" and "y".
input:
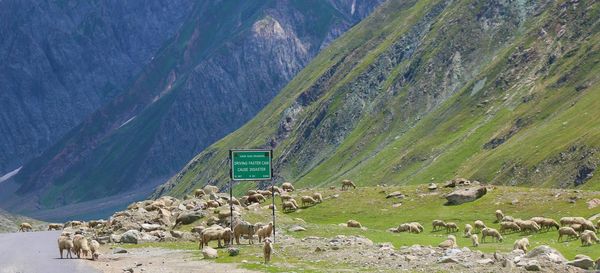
{"x": 226, "y": 62}
{"x": 62, "y": 60}
{"x": 419, "y": 92}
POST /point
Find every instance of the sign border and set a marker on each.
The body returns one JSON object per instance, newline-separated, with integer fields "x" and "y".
{"x": 231, "y": 151}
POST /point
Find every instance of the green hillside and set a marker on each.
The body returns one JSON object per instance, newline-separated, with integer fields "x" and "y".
{"x": 427, "y": 91}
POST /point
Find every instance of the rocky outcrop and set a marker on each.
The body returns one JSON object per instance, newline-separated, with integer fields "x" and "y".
{"x": 461, "y": 196}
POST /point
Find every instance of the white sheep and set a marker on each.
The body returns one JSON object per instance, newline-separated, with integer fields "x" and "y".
{"x": 25, "y": 227}
{"x": 216, "y": 233}
{"x": 265, "y": 232}
{"x": 353, "y": 224}
{"x": 512, "y": 226}
{"x": 468, "y": 229}
{"x": 318, "y": 197}
{"x": 287, "y": 206}
{"x": 451, "y": 227}
{"x": 265, "y": 193}
{"x": 568, "y": 231}
{"x": 499, "y": 216}
{"x": 521, "y": 244}
{"x": 95, "y": 248}
{"x": 346, "y": 184}
{"x": 565, "y": 221}
{"x": 587, "y": 237}
{"x": 475, "y": 240}
{"x": 287, "y": 186}
{"x": 418, "y": 225}
{"x": 209, "y": 189}
{"x": 507, "y": 219}
{"x": 438, "y": 224}
{"x": 80, "y": 245}
{"x": 479, "y": 225}
{"x": 588, "y": 225}
{"x": 65, "y": 243}
{"x": 449, "y": 243}
{"x": 528, "y": 225}
{"x": 485, "y": 232}
{"x": 549, "y": 223}
{"x": 251, "y": 192}
{"x": 408, "y": 227}
{"x": 267, "y": 250}
{"x": 307, "y": 200}
{"x": 243, "y": 228}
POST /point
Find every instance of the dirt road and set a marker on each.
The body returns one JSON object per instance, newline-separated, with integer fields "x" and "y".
{"x": 36, "y": 252}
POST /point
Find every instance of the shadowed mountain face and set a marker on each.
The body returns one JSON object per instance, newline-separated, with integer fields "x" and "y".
{"x": 224, "y": 63}
{"x": 62, "y": 60}
{"x": 428, "y": 91}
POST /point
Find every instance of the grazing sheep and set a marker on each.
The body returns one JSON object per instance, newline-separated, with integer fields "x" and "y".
{"x": 234, "y": 201}
{"x": 198, "y": 193}
{"x": 587, "y": 237}
{"x": 65, "y": 243}
{"x": 256, "y": 198}
{"x": 287, "y": 206}
{"x": 55, "y": 226}
{"x": 267, "y": 250}
{"x": 287, "y": 186}
{"x": 94, "y": 248}
{"x": 479, "y": 225}
{"x": 265, "y": 232}
{"x": 209, "y": 189}
{"x": 227, "y": 236}
{"x": 537, "y": 220}
{"x": 475, "y": 240}
{"x": 587, "y": 225}
{"x": 568, "y": 231}
{"x": 451, "y": 227}
{"x": 528, "y": 225}
{"x": 243, "y": 228}
{"x": 25, "y": 227}
{"x": 566, "y": 221}
{"x": 265, "y": 193}
{"x": 576, "y": 227}
{"x": 449, "y": 243}
{"x": 276, "y": 190}
{"x": 211, "y": 234}
{"x": 285, "y": 197}
{"x": 251, "y": 192}
{"x": 485, "y": 232}
{"x": 468, "y": 229}
{"x": 307, "y": 200}
{"x": 511, "y": 226}
{"x": 318, "y": 197}
{"x": 507, "y": 219}
{"x": 438, "y": 224}
{"x": 80, "y": 245}
{"x": 418, "y": 225}
{"x": 521, "y": 244}
{"x": 549, "y": 223}
{"x": 499, "y": 216}
{"x": 411, "y": 228}
{"x": 353, "y": 223}
{"x": 346, "y": 184}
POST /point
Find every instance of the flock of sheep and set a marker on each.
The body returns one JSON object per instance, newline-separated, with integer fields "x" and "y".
{"x": 571, "y": 227}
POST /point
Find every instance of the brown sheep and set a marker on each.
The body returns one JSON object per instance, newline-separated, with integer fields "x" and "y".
{"x": 265, "y": 193}
{"x": 307, "y": 200}
{"x": 568, "y": 231}
{"x": 251, "y": 192}
{"x": 243, "y": 228}
{"x": 451, "y": 227}
{"x": 213, "y": 204}
{"x": 287, "y": 186}
{"x": 24, "y": 227}
{"x": 216, "y": 234}
{"x": 256, "y": 198}
{"x": 267, "y": 250}
{"x": 438, "y": 224}
{"x": 287, "y": 206}
{"x": 511, "y": 226}
{"x": 55, "y": 226}
{"x": 548, "y": 223}
{"x": 346, "y": 184}
{"x": 353, "y": 224}
{"x": 265, "y": 232}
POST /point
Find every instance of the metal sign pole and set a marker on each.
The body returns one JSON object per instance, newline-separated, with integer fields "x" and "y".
{"x": 231, "y": 203}
{"x": 273, "y": 196}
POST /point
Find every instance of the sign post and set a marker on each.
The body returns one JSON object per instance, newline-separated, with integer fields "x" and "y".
{"x": 250, "y": 165}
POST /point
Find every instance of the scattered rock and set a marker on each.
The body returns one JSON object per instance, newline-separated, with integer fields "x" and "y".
{"x": 546, "y": 252}
{"x": 209, "y": 253}
{"x": 514, "y": 201}
{"x": 396, "y": 194}
{"x": 128, "y": 269}
{"x": 176, "y": 233}
{"x": 115, "y": 238}
{"x": 461, "y": 196}
{"x": 485, "y": 261}
{"x": 233, "y": 251}
{"x": 119, "y": 250}
{"x": 151, "y": 227}
{"x": 445, "y": 260}
{"x": 396, "y": 205}
{"x": 319, "y": 249}
{"x": 582, "y": 261}
{"x": 296, "y": 228}
{"x": 533, "y": 265}
{"x": 131, "y": 237}
{"x": 189, "y": 217}
{"x": 432, "y": 186}
{"x": 593, "y": 203}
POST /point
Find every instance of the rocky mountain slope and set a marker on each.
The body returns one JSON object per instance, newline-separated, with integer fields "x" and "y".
{"x": 226, "y": 62}
{"x": 62, "y": 60}
{"x": 10, "y": 222}
{"x": 426, "y": 91}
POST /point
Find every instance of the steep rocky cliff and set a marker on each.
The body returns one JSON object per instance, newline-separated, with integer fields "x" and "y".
{"x": 419, "y": 92}
{"x": 224, "y": 64}
{"x": 62, "y": 60}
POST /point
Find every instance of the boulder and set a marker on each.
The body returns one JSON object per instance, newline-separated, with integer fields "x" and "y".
{"x": 233, "y": 251}
{"x": 119, "y": 250}
{"x": 114, "y": 238}
{"x": 186, "y": 218}
{"x": 395, "y": 194}
{"x": 296, "y": 228}
{"x": 532, "y": 265}
{"x": 147, "y": 238}
{"x": 546, "y": 252}
{"x": 209, "y": 253}
{"x": 582, "y": 261}
{"x": 131, "y": 237}
{"x": 432, "y": 186}
{"x": 176, "y": 234}
{"x": 151, "y": 227}
{"x": 461, "y": 196}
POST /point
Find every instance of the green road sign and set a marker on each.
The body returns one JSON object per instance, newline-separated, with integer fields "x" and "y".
{"x": 250, "y": 164}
